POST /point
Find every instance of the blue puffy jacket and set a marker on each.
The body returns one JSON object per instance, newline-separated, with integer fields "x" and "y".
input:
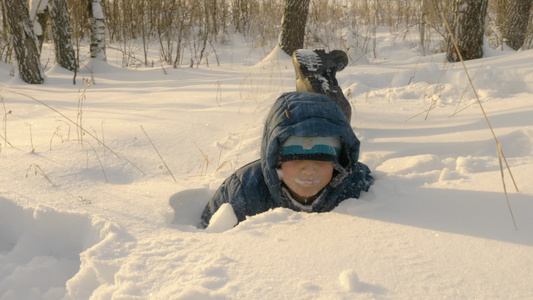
{"x": 256, "y": 187}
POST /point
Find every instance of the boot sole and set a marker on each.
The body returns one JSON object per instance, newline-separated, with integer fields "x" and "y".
{"x": 308, "y": 67}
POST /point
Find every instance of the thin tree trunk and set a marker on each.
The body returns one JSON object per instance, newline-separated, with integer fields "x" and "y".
{"x": 65, "y": 54}
{"x": 422, "y": 25}
{"x": 24, "y": 41}
{"x": 292, "y": 34}
{"x": 97, "y": 24}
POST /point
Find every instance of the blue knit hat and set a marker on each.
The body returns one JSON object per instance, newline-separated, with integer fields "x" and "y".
{"x": 311, "y": 148}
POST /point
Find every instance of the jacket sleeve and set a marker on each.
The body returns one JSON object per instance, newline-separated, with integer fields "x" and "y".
{"x": 360, "y": 180}
{"x": 231, "y": 191}
{"x": 366, "y": 179}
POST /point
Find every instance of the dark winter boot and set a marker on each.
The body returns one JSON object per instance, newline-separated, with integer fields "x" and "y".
{"x": 316, "y": 71}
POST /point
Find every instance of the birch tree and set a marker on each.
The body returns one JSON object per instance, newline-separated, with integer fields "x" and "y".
{"x": 468, "y": 28}
{"x": 293, "y": 25}
{"x": 61, "y": 31}
{"x": 25, "y": 43}
{"x": 96, "y": 13}
{"x": 422, "y": 25}
{"x": 518, "y": 17}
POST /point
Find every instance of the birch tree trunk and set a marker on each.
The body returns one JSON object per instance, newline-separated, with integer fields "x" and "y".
{"x": 518, "y": 14}
{"x": 293, "y": 25}
{"x": 97, "y": 24}
{"x": 468, "y": 28}
{"x": 422, "y": 26}
{"x": 4, "y": 35}
{"x": 61, "y": 31}
{"x": 25, "y": 43}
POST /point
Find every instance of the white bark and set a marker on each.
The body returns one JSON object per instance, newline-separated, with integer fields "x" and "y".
{"x": 24, "y": 42}
{"x": 97, "y": 30}
{"x": 64, "y": 49}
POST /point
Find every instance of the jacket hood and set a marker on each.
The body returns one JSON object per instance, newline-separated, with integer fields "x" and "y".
{"x": 307, "y": 115}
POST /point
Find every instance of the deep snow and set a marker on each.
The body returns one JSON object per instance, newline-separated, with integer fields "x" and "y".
{"x": 78, "y": 221}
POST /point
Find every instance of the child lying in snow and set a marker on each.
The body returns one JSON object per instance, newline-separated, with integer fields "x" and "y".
{"x": 309, "y": 152}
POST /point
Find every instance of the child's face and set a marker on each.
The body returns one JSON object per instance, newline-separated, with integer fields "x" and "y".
{"x": 305, "y": 178}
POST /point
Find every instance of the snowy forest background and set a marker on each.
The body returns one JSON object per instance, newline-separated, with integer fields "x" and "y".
{"x": 141, "y": 109}
{"x": 187, "y": 33}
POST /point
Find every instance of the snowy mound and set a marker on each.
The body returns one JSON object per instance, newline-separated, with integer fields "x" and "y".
{"x": 45, "y": 253}
{"x": 276, "y": 58}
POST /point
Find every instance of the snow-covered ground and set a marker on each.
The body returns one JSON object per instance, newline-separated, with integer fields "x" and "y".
{"x": 79, "y": 220}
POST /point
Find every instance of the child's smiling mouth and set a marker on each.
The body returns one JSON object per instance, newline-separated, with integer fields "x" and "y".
{"x": 307, "y": 181}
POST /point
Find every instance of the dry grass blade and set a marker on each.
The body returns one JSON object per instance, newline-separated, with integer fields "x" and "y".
{"x": 437, "y": 86}
{"x": 98, "y": 158}
{"x": 164, "y": 163}
{"x": 78, "y": 126}
{"x": 38, "y": 171}
{"x": 204, "y": 162}
{"x": 498, "y": 145}
{"x": 457, "y": 110}
{"x": 31, "y": 139}
{"x": 222, "y": 165}
{"x": 4, "y": 137}
{"x": 219, "y": 93}
{"x": 437, "y": 90}
{"x": 220, "y": 154}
